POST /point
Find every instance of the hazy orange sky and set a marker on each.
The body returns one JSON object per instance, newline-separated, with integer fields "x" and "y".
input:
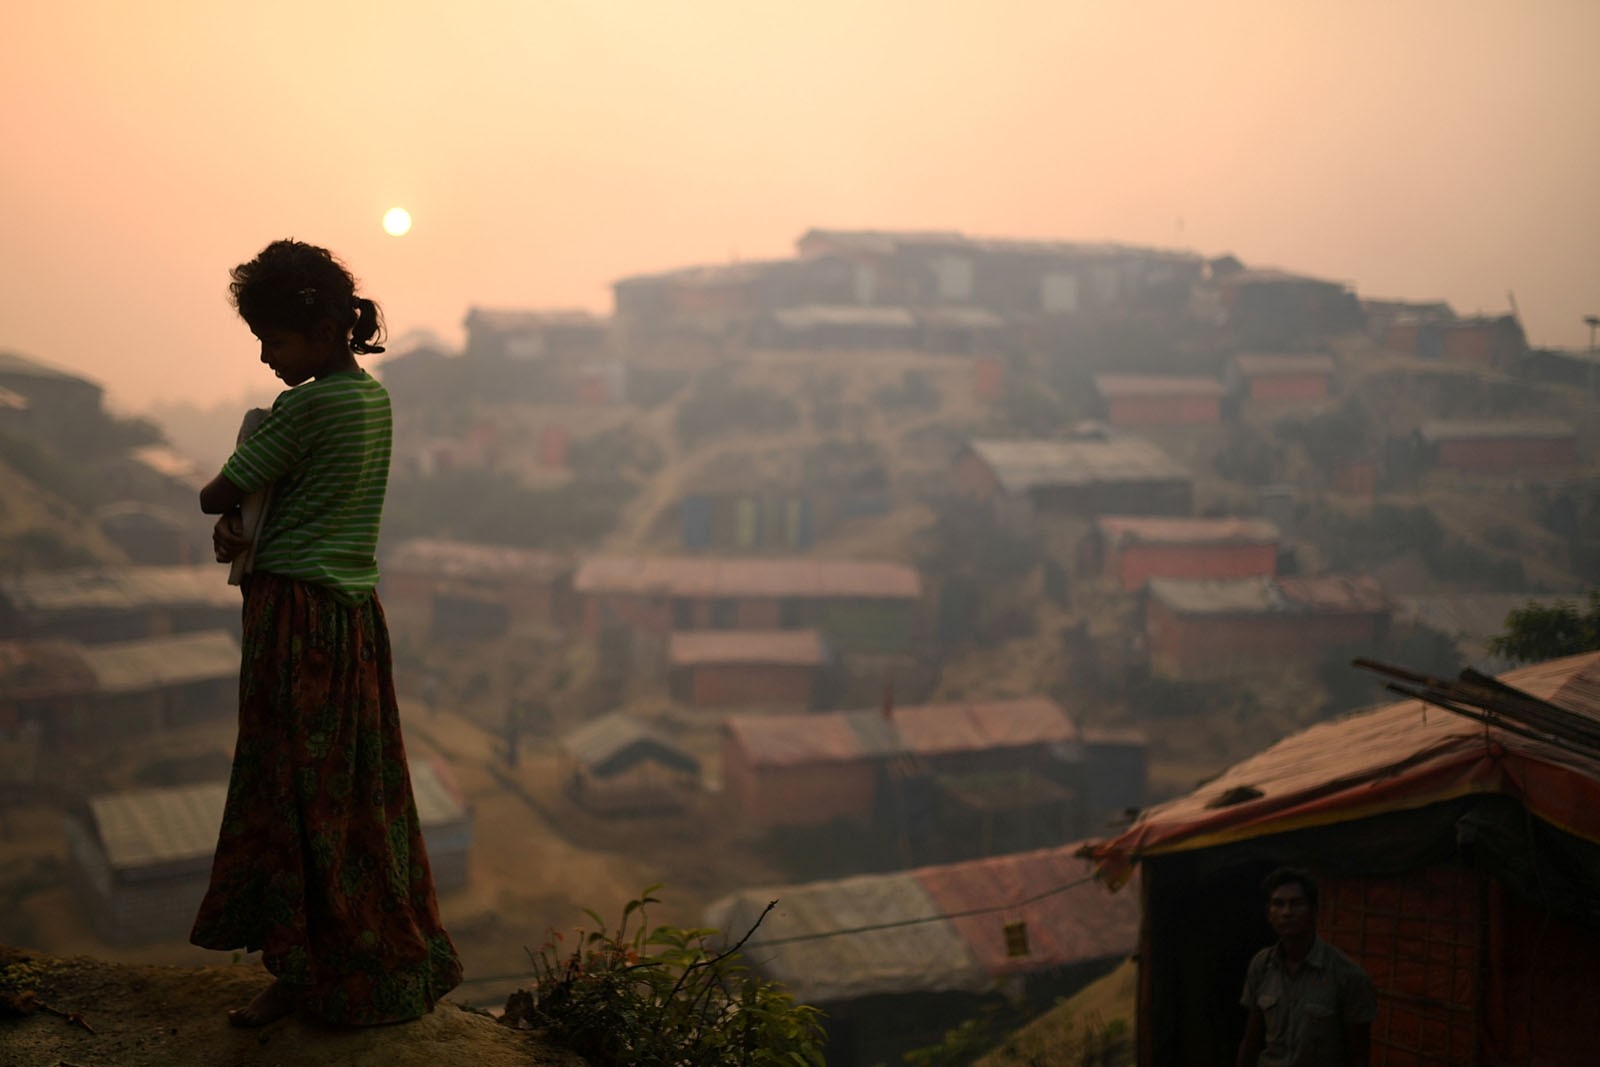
{"x": 1414, "y": 148}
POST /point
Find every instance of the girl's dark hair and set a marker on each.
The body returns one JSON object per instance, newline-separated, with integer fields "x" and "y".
{"x": 295, "y": 286}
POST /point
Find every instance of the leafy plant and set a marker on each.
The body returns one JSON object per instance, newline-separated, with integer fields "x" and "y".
{"x": 1534, "y": 633}
{"x": 653, "y": 997}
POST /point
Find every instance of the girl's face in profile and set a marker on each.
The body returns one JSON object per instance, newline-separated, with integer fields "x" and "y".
{"x": 296, "y": 357}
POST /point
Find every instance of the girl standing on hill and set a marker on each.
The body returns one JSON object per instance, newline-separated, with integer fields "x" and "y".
{"x": 320, "y": 861}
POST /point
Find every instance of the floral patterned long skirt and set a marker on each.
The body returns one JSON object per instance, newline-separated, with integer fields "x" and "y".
{"x": 320, "y": 862}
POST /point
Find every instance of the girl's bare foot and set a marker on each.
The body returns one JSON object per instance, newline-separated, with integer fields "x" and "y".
{"x": 269, "y": 1005}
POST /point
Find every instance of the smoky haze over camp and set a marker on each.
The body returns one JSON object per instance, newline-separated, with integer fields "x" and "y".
{"x": 1426, "y": 151}
{"x": 934, "y": 465}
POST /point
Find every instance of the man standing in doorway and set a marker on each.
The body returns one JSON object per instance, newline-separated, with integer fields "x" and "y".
{"x": 1310, "y": 1005}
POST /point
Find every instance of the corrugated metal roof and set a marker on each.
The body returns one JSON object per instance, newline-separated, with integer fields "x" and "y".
{"x": 605, "y": 742}
{"x": 929, "y": 957}
{"x": 1199, "y": 596}
{"x": 1086, "y": 922}
{"x": 1333, "y": 592}
{"x": 154, "y": 827}
{"x": 143, "y": 828}
{"x": 924, "y": 730}
{"x": 155, "y": 662}
{"x": 120, "y": 588}
{"x": 1023, "y": 466}
{"x": 1264, "y": 595}
{"x": 1254, "y": 365}
{"x": 700, "y": 576}
{"x": 1470, "y": 618}
{"x": 938, "y": 729}
{"x": 471, "y": 561}
{"x": 1076, "y": 925}
{"x": 1400, "y": 756}
{"x": 439, "y": 797}
{"x": 811, "y": 316}
{"x": 1125, "y": 385}
{"x": 1493, "y": 430}
{"x": 796, "y": 648}
{"x": 1580, "y": 693}
{"x": 1137, "y": 530}
{"x": 801, "y": 739}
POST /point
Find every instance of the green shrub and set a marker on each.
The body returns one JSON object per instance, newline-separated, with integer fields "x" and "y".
{"x": 1534, "y": 633}
{"x": 644, "y": 997}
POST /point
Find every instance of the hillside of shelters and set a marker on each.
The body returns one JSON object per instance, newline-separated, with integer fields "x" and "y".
{"x": 878, "y": 578}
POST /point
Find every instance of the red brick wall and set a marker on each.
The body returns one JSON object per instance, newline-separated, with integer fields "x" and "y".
{"x": 751, "y": 685}
{"x": 761, "y": 798}
{"x": 1507, "y": 454}
{"x": 1133, "y": 565}
{"x": 1298, "y": 388}
{"x": 1164, "y": 411}
{"x": 1419, "y": 938}
{"x": 1466, "y": 972}
{"x": 1200, "y": 647}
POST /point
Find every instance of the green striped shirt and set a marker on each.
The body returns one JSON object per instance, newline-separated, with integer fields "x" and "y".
{"x": 325, "y": 451}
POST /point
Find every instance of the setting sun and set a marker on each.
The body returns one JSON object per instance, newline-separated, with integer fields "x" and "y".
{"x": 397, "y": 222}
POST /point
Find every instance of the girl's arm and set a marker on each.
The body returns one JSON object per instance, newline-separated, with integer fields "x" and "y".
{"x": 220, "y": 496}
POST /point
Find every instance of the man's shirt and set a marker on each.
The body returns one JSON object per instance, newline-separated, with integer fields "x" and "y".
{"x": 1306, "y": 1015}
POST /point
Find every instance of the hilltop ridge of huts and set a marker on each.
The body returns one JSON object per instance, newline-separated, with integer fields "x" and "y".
{"x": 878, "y": 288}
{"x": 893, "y": 958}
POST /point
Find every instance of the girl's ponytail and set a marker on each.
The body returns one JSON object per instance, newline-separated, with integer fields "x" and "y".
{"x": 368, "y": 328}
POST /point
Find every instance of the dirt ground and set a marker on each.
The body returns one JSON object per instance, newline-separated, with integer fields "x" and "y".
{"x": 144, "y": 1016}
